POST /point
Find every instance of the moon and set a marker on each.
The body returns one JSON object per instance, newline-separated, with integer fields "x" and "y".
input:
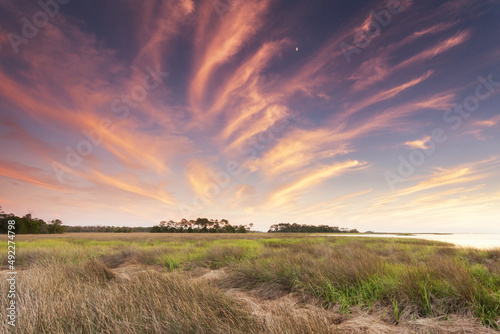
{"x": 296, "y": 49}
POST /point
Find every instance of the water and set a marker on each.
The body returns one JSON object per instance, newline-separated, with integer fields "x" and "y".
{"x": 483, "y": 241}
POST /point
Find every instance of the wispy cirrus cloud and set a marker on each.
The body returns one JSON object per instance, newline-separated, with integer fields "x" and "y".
{"x": 418, "y": 143}
{"x": 227, "y": 38}
{"x": 292, "y": 191}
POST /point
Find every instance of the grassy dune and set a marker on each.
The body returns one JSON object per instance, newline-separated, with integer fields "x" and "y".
{"x": 255, "y": 283}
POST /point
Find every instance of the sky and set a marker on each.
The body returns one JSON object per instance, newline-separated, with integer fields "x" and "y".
{"x": 375, "y": 115}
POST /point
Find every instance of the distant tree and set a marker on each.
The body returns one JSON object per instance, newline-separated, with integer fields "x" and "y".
{"x": 203, "y": 223}
{"x": 200, "y": 225}
{"x": 55, "y": 226}
{"x": 223, "y": 222}
{"x": 297, "y": 228}
{"x": 216, "y": 227}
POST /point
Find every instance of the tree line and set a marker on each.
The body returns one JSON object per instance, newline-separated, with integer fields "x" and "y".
{"x": 28, "y": 224}
{"x": 200, "y": 225}
{"x": 298, "y": 228}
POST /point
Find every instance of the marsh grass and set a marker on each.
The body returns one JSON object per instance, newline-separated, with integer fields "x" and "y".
{"x": 71, "y": 283}
{"x": 87, "y": 298}
{"x": 414, "y": 278}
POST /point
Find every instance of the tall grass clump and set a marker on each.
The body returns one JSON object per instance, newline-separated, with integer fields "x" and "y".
{"x": 87, "y": 298}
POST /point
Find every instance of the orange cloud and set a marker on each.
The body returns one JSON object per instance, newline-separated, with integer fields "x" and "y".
{"x": 444, "y": 177}
{"x": 336, "y": 205}
{"x": 230, "y": 35}
{"x": 419, "y": 143}
{"x": 292, "y": 191}
{"x": 168, "y": 17}
{"x": 201, "y": 179}
{"x": 301, "y": 147}
{"x": 384, "y": 95}
{"x": 27, "y": 174}
{"x": 245, "y": 77}
{"x": 488, "y": 122}
{"x": 132, "y": 184}
{"x": 377, "y": 69}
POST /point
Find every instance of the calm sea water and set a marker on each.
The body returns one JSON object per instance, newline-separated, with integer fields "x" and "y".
{"x": 484, "y": 241}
